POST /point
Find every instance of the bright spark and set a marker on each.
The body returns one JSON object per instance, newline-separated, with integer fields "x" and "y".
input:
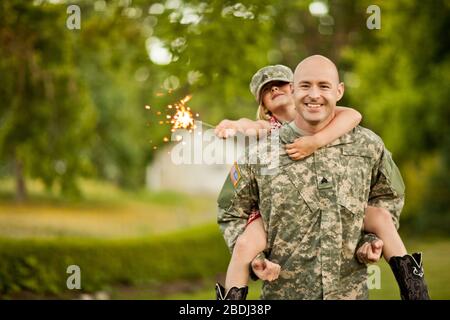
{"x": 183, "y": 118}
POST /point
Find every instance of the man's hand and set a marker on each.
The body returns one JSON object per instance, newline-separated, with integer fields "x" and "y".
{"x": 265, "y": 269}
{"x": 370, "y": 252}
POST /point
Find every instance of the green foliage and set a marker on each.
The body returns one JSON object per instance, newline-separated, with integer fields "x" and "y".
{"x": 434, "y": 211}
{"x": 111, "y": 49}
{"x": 215, "y": 58}
{"x": 402, "y": 77}
{"x": 46, "y": 114}
{"x": 41, "y": 265}
{"x": 399, "y": 75}
{"x": 216, "y": 47}
{"x": 74, "y": 99}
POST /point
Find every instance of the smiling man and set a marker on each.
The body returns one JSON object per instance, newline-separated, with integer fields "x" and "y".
{"x": 316, "y": 90}
{"x": 313, "y": 209}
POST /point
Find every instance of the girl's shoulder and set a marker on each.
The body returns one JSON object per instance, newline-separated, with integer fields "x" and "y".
{"x": 274, "y": 123}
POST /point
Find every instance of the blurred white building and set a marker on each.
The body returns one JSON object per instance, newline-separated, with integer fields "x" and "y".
{"x": 199, "y": 163}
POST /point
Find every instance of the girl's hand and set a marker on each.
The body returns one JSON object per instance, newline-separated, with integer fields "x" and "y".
{"x": 266, "y": 269}
{"x": 226, "y": 128}
{"x": 302, "y": 147}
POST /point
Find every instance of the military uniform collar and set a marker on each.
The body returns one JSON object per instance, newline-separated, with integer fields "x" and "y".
{"x": 289, "y": 132}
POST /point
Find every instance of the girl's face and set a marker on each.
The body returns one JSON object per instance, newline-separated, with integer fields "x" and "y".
{"x": 277, "y": 94}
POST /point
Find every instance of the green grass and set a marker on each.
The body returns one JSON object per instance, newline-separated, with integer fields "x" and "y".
{"x": 39, "y": 265}
{"x": 436, "y": 264}
{"x": 209, "y": 293}
{"x": 436, "y": 257}
{"x": 105, "y": 211}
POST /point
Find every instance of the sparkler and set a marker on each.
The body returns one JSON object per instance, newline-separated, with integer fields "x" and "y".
{"x": 183, "y": 118}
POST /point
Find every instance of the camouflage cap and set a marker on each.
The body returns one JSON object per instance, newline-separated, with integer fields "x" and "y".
{"x": 267, "y": 74}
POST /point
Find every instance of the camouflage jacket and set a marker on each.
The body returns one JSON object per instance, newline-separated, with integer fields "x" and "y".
{"x": 313, "y": 211}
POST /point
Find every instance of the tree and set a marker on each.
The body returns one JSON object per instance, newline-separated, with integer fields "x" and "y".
{"x": 402, "y": 90}
{"x": 46, "y": 115}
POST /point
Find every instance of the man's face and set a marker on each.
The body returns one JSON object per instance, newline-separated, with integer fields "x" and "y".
{"x": 316, "y": 90}
{"x": 276, "y": 94}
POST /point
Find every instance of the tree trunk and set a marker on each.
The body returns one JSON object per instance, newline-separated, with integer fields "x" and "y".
{"x": 21, "y": 189}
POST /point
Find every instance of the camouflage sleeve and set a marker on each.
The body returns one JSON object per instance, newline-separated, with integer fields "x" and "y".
{"x": 237, "y": 199}
{"x": 387, "y": 188}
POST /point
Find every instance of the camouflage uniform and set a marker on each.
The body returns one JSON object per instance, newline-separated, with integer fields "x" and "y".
{"x": 313, "y": 211}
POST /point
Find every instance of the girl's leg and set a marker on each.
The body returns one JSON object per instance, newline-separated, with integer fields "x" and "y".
{"x": 251, "y": 242}
{"x": 407, "y": 268}
{"x": 379, "y": 221}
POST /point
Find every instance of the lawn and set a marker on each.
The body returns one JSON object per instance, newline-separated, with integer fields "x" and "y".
{"x": 105, "y": 211}
{"x": 436, "y": 263}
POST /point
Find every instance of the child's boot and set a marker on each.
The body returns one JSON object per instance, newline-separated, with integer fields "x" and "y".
{"x": 233, "y": 294}
{"x": 408, "y": 272}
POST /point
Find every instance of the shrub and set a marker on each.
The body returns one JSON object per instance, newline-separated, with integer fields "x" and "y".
{"x": 40, "y": 265}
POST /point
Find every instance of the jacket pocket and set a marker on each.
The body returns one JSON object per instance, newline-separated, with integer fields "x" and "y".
{"x": 354, "y": 184}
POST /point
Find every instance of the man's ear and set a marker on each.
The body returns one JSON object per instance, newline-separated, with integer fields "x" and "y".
{"x": 292, "y": 87}
{"x": 340, "y": 91}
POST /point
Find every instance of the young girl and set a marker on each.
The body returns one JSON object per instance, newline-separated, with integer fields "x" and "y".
{"x": 274, "y": 94}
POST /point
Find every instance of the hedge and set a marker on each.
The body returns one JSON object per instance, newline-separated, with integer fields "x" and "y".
{"x": 40, "y": 265}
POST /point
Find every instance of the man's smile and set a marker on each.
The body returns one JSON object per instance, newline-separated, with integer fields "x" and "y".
{"x": 313, "y": 106}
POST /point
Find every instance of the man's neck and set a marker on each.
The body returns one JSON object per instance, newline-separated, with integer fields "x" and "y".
{"x": 309, "y": 128}
{"x": 285, "y": 113}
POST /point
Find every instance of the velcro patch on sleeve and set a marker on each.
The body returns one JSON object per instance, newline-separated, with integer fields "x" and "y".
{"x": 235, "y": 174}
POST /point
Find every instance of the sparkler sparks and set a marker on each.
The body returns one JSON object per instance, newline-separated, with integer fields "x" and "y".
{"x": 183, "y": 117}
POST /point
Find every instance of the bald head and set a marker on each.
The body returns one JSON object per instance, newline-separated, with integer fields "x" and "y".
{"x": 316, "y": 90}
{"x": 317, "y": 66}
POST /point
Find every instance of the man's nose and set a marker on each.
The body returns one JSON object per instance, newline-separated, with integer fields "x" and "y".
{"x": 274, "y": 88}
{"x": 314, "y": 92}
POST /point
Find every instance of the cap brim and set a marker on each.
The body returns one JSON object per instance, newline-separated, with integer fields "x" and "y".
{"x": 258, "y": 91}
